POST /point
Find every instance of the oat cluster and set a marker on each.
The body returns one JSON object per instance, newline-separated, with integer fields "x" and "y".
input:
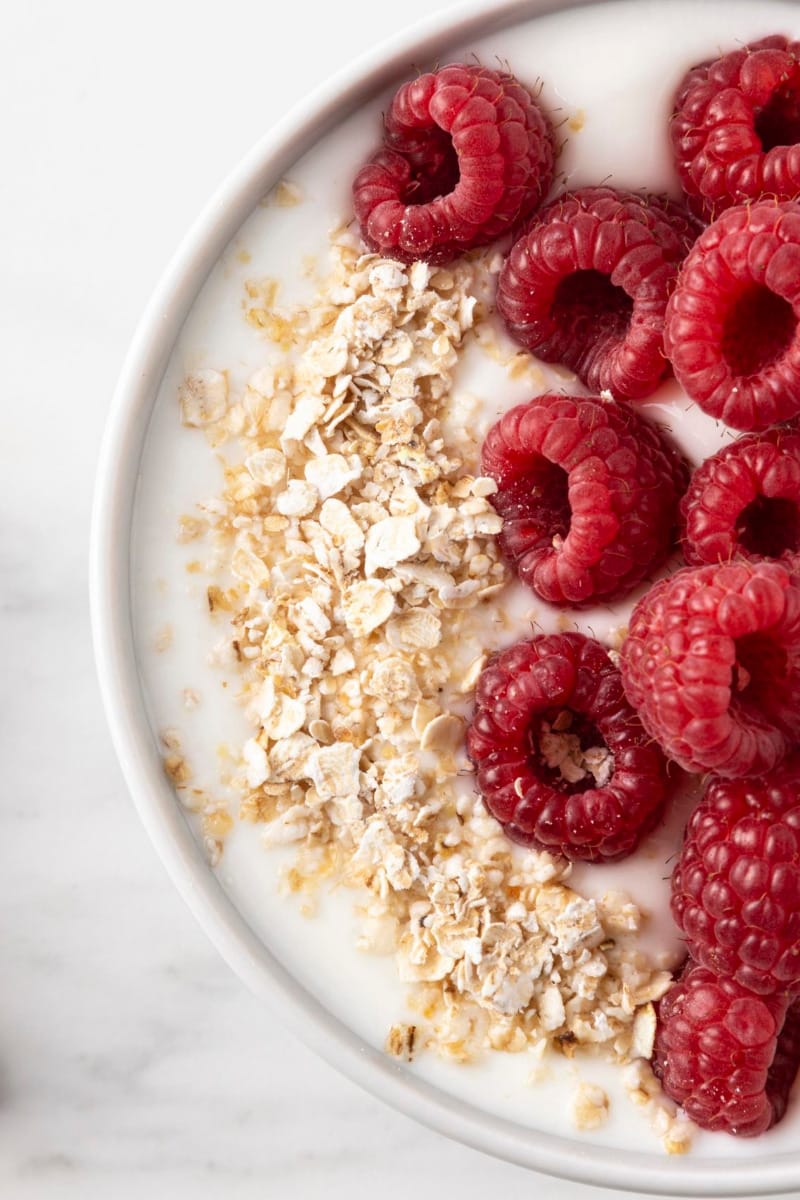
{"x": 365, "y": 592}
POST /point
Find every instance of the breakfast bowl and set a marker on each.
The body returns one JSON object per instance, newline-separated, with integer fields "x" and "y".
{"x": 226, "y": 319}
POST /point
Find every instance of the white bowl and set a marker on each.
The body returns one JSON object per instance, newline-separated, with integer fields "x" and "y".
{"x": 247, "y": 953}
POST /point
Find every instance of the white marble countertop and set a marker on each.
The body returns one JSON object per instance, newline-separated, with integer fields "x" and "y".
{"x": 132, "y": 1062}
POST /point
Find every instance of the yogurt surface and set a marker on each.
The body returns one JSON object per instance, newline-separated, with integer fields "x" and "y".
{"x": 609, "y": 74}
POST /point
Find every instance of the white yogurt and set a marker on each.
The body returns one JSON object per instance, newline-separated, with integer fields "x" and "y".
{"x": 614, "y": 68}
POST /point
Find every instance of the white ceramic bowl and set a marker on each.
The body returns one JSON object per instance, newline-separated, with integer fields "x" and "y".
{"x": 133, "y": 737}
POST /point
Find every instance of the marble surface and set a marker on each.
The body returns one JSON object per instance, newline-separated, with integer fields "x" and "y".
{"x": 132, "y": 1062}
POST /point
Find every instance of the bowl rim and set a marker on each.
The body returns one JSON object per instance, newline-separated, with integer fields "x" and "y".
{"x": 124, "y": 701}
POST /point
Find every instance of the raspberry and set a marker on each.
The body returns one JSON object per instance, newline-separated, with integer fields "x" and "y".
{"x": 587, "y": 285}
{"x": 712, "y": 664}
{"x": 727, "y": 1056}
{"x": 736, "y": 886}
{"x": 588, "y": 493}
{"x": 467, "y": 153}
{"x": 736, "y": 124}
{"x": 731, "y": 327}
{"x": 562, "y": 760}
{"x": 745, "y": 500}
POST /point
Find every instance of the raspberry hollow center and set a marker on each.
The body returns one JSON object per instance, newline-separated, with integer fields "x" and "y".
{"x": 434, "y": 174}
{"x": 759, "y": 674}
{"x": 778, "y": 122}
{"x": 568, "y": 751}
{"x": 548, "y": 488}
{"x": 769, "y": 525}
{"x": 592, "y": 306}
{"x": 758, "y": 329}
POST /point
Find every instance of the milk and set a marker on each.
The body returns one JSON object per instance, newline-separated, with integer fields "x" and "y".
{"x": 609, "y": 76}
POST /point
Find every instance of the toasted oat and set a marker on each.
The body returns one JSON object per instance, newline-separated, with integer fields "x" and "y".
{"x": 367, "y": 604}
{"x": 390, "y": 542}
{"x": 286, "y": 194}
{"x": 672, "y": 1126}
{"x": 332, "y": 473}
{"x": 267, "y": 467}
{"x": 203, "y": 397}
{"x": 163, "y": 639}
{"x": 190, "y": 528}
{"x": 443, "y": 733}
{"x": 178, "y": 769}
{"x": 590, "y": 1107}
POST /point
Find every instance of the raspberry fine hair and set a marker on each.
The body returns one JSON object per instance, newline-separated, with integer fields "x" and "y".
{"x": 712, "y": 665}
{"x": 736, "y": 127}
{"x": 727, "y": 1056}
{"x": 587, "y": 285}
{"x": 588, "y": 491}
{"x": 744, "y": 501}
{"x": 736, "y": 885}
{"x": 561, "y": 758}
{"x": 467, "y": 154}
{"x": 731, "y": 326}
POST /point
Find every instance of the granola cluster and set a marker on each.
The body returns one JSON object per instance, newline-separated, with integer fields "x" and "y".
{"x": 364, "y": 592}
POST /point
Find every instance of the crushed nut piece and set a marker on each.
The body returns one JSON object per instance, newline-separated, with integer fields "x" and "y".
{"x": 400, "y": 1042}
{"x": 644, "y": 1032}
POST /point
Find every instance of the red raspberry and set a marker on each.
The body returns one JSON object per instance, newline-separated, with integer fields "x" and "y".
{"x": 712, "y": 664}
{"x": 731, "y": 328}
{"x": 727, "y": 1056}
{"x": 467, "y": 153}
{"x": 562, "y": 760}
{"x": 745, "y": 500}
{"x": 736, "y": 126}
{"x": 588, "y": 493}
{"x": 736, "y": 886}
{"x": 587, "y": 285}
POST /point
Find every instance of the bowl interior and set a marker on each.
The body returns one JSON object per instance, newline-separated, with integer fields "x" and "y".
{"x": 597, "y": 64}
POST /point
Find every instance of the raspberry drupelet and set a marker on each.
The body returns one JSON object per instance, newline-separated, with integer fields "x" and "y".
{"x": 727, "y": 1056}
{"x": 712, "y": 665}
{"x": 736, "y": 885}
{"x": 731, "y": 329}
{"x": 561, "y": 758}
{"x": 588, "y": 491}
{"x": 745, "y": 500}
{"x": 467, "y": 154}
{"x": 736, "y": 127}
{"x": 587, "y": 285}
